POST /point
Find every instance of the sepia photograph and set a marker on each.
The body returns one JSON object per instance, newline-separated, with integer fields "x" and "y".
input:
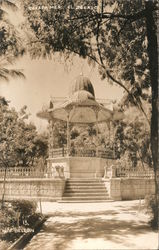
{"x": 79, "y": 125}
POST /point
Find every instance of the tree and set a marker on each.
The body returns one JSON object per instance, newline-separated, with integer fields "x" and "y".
{"x": 7, "y": 154}
{"x": 8, "y": 128}
{"x": 20, "y": 143}
{"x": 132, "y": 139}
{"x": 132, "y": 136}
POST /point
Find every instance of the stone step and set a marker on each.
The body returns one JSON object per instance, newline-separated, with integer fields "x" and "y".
{"x": 85, "y": 194}
{"x": 69, "y": 190}
{"x": 85, "y": 187}
{"x": 85, "y": 201}
{"x": 84, "y": 180}
{"x": 85, "y": 184}
{"x": 86, "y": 198}
{"x": 85, "y": 190}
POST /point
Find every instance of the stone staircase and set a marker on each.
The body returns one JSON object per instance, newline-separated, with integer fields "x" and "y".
{"x": 85, "y": 190}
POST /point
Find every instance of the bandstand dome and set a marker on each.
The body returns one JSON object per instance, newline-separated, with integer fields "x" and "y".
{"x": 80, "y": 106}
{"x": 81, "y": 83}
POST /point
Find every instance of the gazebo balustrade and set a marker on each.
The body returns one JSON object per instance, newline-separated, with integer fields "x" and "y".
{"x": 82, "y": 152}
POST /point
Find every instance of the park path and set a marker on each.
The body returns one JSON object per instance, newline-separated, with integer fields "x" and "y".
{"x": 109, "y": 225}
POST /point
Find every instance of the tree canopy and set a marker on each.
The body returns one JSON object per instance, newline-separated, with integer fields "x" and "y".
{"x": 20, "y": 144}
{"x": 115, "y": 38}
{"x": 11, "y": 46}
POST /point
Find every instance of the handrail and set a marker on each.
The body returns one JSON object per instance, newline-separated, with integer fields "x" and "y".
{"x": 81, "y": 152}
{"x": 26, "y": 172}
{"x": 133, "y": 173}
{"x": 17, "y": 172}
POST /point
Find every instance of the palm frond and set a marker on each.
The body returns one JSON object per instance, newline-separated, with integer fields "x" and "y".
{"x": 5, "y": 74}
{"x": 9, "y": 4}
{"x": 2, "y": 12}
{"x": 6, "y": 60}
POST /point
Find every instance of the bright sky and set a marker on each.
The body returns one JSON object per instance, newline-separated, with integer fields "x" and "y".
{"x": 50, "y": 78}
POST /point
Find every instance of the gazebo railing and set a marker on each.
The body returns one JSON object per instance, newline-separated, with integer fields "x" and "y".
{"x": 59, "y": 152}
{"x": 83, "y": 152}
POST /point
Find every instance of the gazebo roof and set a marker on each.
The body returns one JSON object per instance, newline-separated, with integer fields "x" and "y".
{"x": 81, "y": 106}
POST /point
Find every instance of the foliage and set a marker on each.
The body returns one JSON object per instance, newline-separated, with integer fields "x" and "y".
{"x": 17, "y": 217}
{"x": 25, "y": 207}
{"x": 20, "y": 144}
{"x": 152, "y": 209}
{"x": 41, "y": 145}
{"x": 33, "y": 219}
{"x": 59, "y": 132}
{"x": 11, "y": 46}
{"x": 132, "y": 139}
{"x": 81, "y": 137}
{"x": 8, "y": 217}
{"x": 116, "y": 40}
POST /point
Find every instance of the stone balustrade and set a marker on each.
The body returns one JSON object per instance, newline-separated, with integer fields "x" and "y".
{"x": 33, "y": 172}
{"x": 22, "y": 172}
{"x": 134, "y": 173}
{"x": 57, "y": 170}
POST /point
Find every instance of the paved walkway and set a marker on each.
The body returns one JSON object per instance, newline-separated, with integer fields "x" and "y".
{"x": 110, "y": 225}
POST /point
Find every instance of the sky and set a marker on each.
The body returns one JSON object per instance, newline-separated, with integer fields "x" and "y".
{"x": 51, "y": 78}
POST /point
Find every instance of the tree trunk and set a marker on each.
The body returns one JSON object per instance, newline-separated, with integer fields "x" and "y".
{"x": 153, "y": 67}
{"x": 4, "y": 184}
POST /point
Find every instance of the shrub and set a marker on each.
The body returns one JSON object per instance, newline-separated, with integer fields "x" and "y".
{"x": 34, "y": 219}
{"x": 8, "y": 218}
{"x": 24, "y": 206}
{"x": 18, "y": 217}
{"x": 152, "y": 208}
{"x": 25, "y": 209}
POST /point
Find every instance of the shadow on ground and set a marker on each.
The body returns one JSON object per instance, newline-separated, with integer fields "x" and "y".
{"x": 118, "y": 224}
{"x": 92, "y": 225}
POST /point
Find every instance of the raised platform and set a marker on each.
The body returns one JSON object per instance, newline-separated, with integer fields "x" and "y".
{"x": 81, "y": 167}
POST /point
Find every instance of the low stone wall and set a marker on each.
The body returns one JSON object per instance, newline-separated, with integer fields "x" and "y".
{"x": 33, "y": 188}
{"x": 131, "y": 188}
{"x": 51, "y": 189}
{"x": 115, "y": 189}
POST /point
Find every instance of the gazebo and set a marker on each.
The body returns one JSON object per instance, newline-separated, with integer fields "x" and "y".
{"x": 80, "y": 108}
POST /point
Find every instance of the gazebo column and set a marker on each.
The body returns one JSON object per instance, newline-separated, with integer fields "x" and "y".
{"x": 68, "y": 135}
{"x": 51, "y": 138}
{"x": 113, "y": 140}
{"x": 108, "y": 125}
{"x": 97, "y": 132}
